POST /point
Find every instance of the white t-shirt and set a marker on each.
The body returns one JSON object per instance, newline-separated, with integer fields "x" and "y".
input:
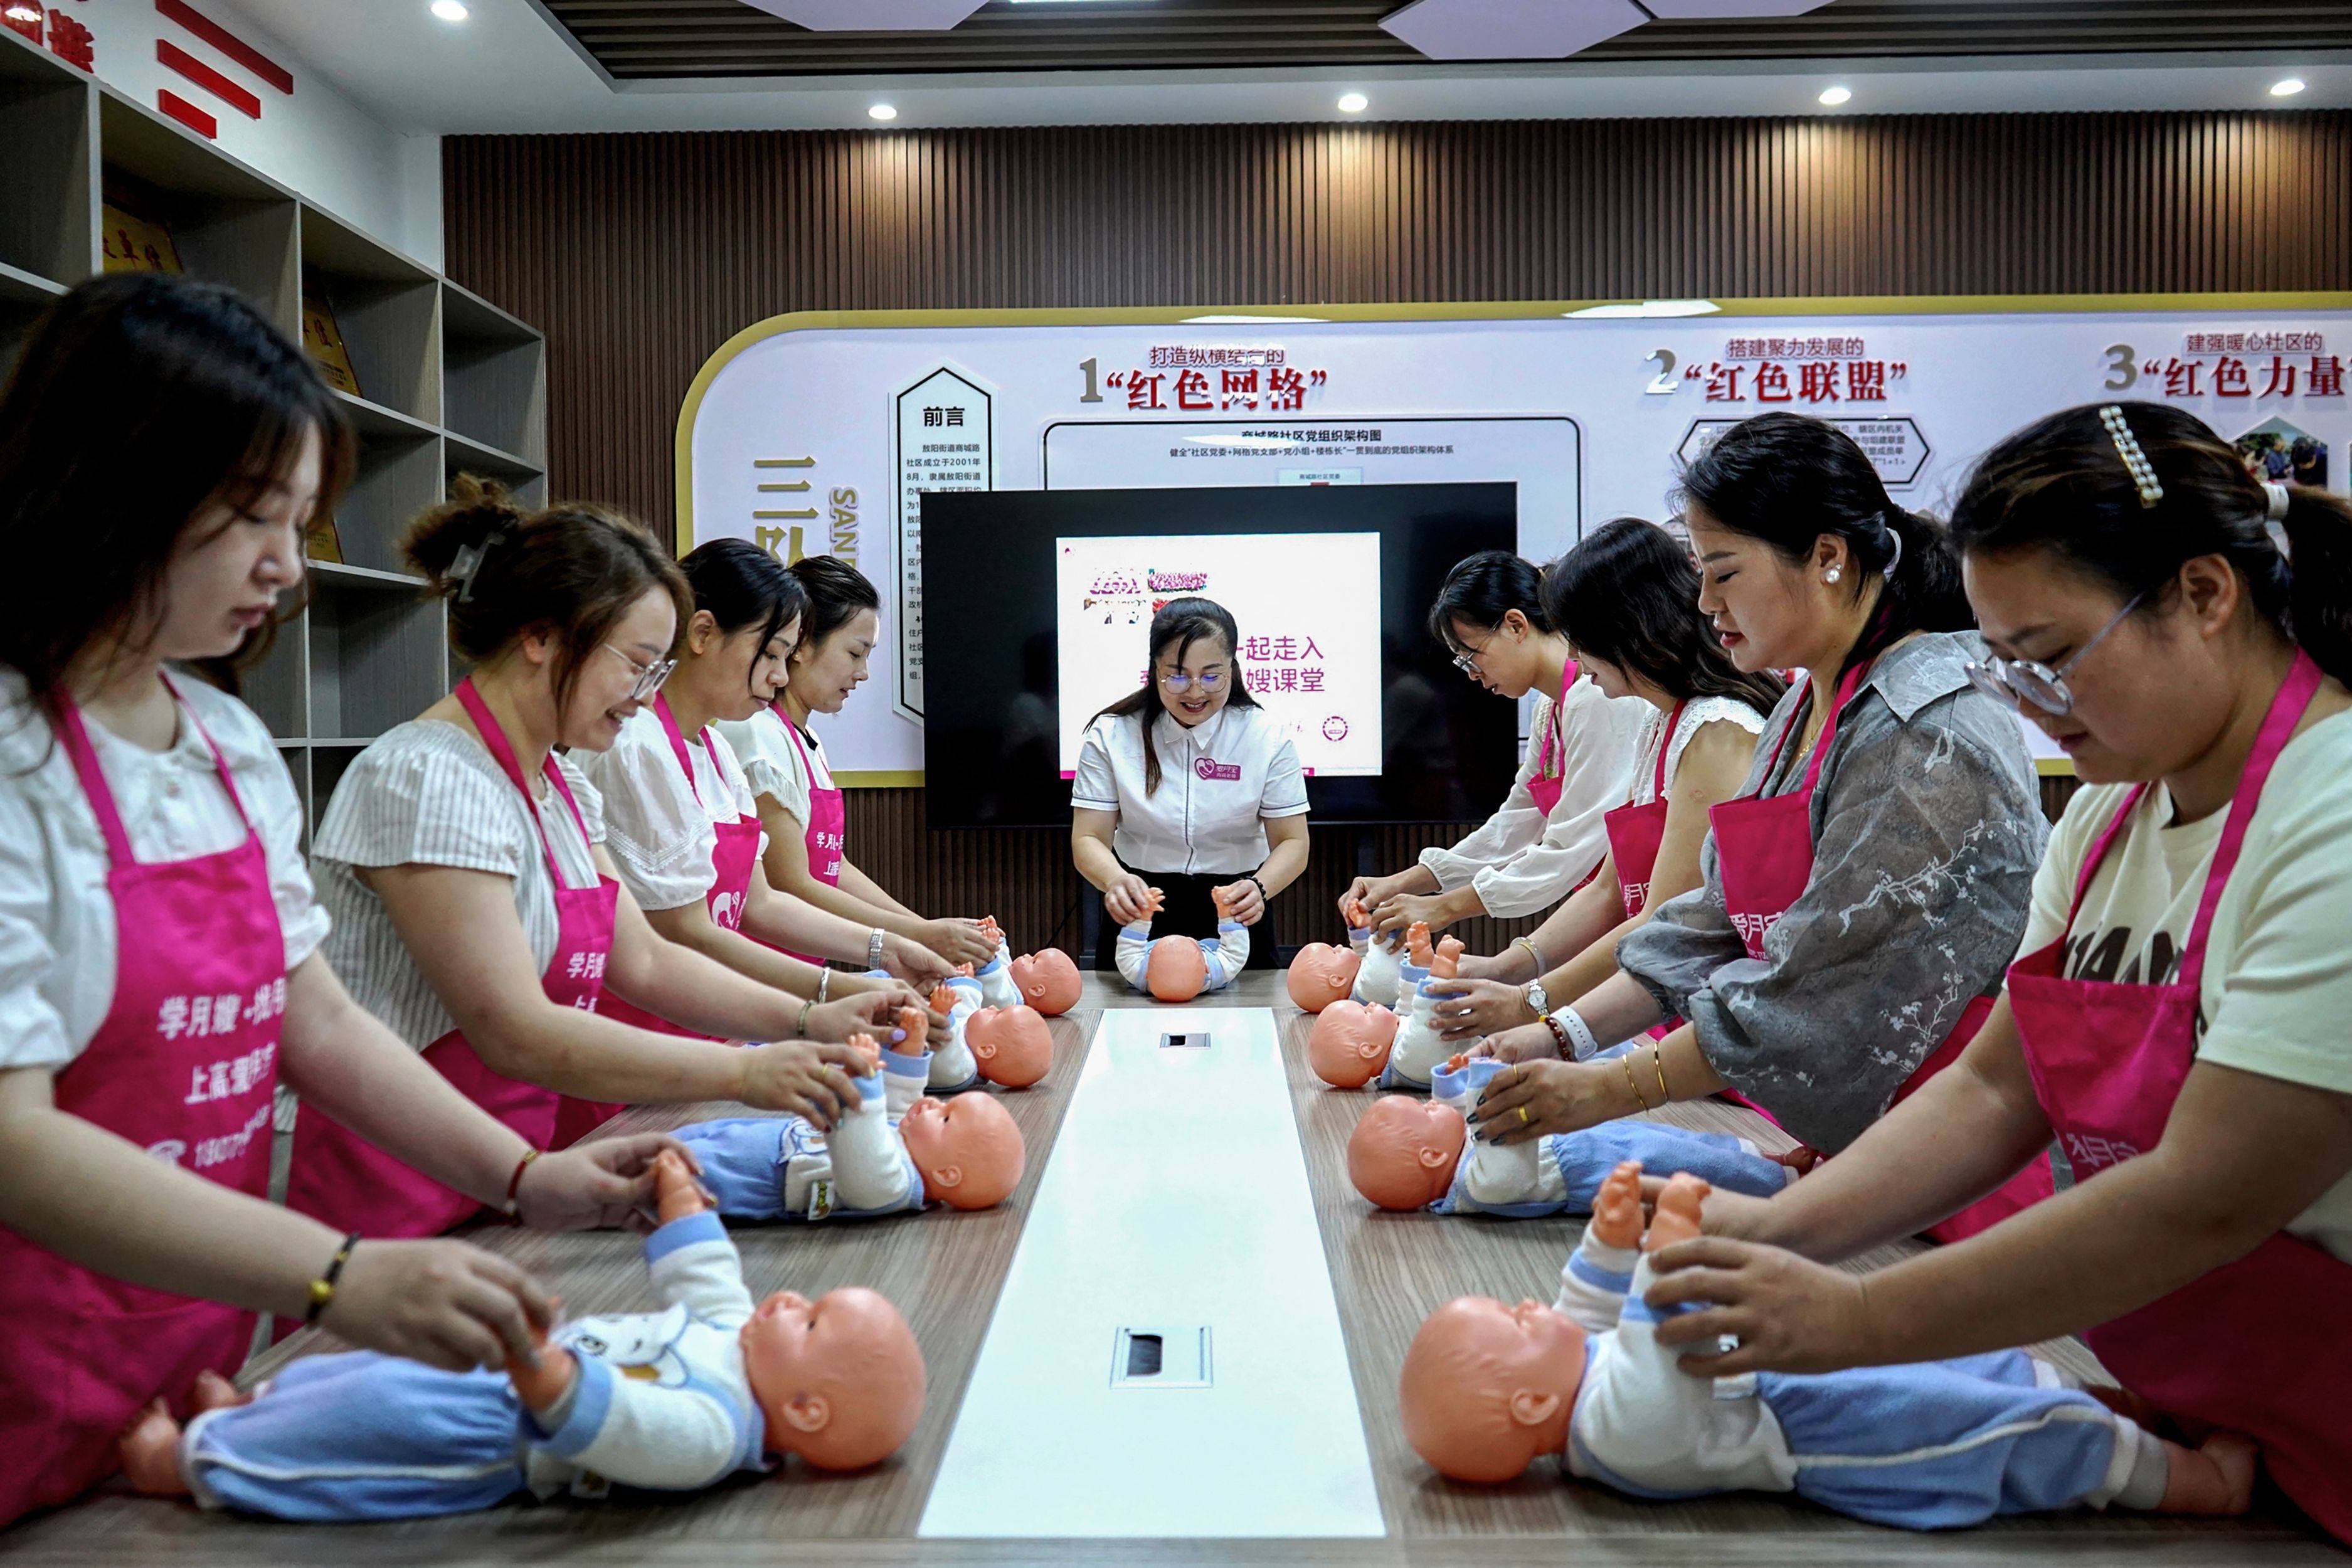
{"x": 57, "y": 951}
{"x": 2277, "y": 986}
{"x": 1523, "y": 861}
{"x": 1696, "y": 716}
{"x": 1216, "y": 781}
{"x": 428, "y": 794}
{"x": 772, "y": 764}
{"x": 659, "y": 829}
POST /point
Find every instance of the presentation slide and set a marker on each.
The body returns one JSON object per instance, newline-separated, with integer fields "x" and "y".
{"x": 1310, "y": 638}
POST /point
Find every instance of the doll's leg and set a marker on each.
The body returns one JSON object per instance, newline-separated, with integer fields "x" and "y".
{"x": 359, "y": 1436}
{"x": 1718, "y": 1159}
{"x": 1134, "y": 952}
{"x": 905, "y": 1079}
{"x": 745, "y": 1160}
{"x": 1598, "y": 1273}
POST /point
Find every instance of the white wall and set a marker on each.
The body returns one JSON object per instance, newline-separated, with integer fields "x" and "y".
{"x": 316, "y": 140}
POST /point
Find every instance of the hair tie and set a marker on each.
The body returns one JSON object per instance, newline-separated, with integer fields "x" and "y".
{"x": 2275, "y": 501}
{"x": 467, "y": 564}
{"x": 2135, "y": 463}
{"x": 1894, "y": 542}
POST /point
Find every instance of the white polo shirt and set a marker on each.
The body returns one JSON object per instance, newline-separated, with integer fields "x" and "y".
{"x": 1216, "y": 782}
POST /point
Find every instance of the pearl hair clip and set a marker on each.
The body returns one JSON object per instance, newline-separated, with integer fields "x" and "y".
{"x": 2135, "y": 461}
{"x": 2275, "y": 501}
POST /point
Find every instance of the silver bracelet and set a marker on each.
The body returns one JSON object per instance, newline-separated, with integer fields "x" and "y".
{"x": 1586, "y": 1046}
{"x": 823, "y": 981}
{"x": 1533, "y": 952}
{"x": 873, "y": 947}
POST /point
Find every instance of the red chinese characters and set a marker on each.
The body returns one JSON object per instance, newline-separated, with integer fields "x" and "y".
{"x": 1816, "y": 382}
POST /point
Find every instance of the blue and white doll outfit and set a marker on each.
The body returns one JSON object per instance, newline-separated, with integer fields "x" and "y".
{"x": 662, "y": 1401}
{"x": 1931, "y": 1446}
{"x": 1225, "y": 956}
{"x": 953, "y": 1066}
{"x": 761, "y": 1168}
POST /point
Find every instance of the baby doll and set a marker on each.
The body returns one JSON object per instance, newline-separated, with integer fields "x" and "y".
{"x": 955, "y": 1000}
{"x": 1048, "y": 981}
{"x": 888, "y": 1154}
{"x": 996, "y": 984}
{"x": 1179, "y": 968}
{"x": 1419, "y": 1047}
{"x": 1322, "y": 975}
{"x": 1380, "y": 979}
{"x": 1405, "y": 1154}
{"x": 1012, "y": 1045}
{"x": 674, "y": 1401}
{"x": 1485, "y": 1388}
{"x": 1349, "y": 1043}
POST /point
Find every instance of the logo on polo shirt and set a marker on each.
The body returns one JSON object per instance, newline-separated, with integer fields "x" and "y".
{"x": 1217, "y": 772}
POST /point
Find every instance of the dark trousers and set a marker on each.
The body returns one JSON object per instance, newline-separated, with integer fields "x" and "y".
{"x": 1189, "y": 913}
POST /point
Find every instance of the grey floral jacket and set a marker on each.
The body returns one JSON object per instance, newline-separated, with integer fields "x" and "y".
{"x": 1928, "y": 827}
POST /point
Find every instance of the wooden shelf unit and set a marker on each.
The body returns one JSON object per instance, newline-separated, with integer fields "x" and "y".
{"x": 449, "y": 383}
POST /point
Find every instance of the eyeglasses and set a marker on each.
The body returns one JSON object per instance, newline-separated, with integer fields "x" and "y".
{"x": 1180, "y": 683}
{"x": 1467, "y": 663}
{"x": 2023, "y": 681}
{"x": 649, "y": 676}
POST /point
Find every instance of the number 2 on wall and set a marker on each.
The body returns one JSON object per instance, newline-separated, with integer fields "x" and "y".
{"x": 1663, "y": 385}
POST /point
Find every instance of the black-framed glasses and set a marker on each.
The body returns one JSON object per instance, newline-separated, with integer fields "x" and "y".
{"x": 2025, "y": 681}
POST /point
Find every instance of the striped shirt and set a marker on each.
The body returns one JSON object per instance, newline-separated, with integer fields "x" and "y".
{"x": 429, "y": 794}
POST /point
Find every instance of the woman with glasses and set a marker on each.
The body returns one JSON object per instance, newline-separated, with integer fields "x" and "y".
{"x": 1190, "y": 787}
{"x": 802, "y": 808}
{"x": 476, "y": 907}
{"x": 1546, "y": 839}
{"x": 1864, "y": 893}
{"x": 2177, "y": 1019}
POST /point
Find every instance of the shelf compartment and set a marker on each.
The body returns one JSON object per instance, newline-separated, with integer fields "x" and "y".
{"x": 277, "y": 688}
{"x": 231, "y": 224}
{"x": 388, "y": 310}
{"x": 461, "y": 455}
{"x": 49, "y": 220}
{"x": 399, "y": 476}
{"x": 494, "y": 377}
{"x": 376, "y": 660}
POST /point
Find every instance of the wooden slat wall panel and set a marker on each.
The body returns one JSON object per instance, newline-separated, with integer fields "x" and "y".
{"x": 639, "y": 255}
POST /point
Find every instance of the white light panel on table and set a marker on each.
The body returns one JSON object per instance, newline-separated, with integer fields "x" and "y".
{"x": 871, "y": 16}
{"x": 1511, "y": 30}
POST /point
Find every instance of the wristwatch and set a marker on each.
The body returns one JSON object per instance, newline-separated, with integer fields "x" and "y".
{"x": 1537, "y": 999}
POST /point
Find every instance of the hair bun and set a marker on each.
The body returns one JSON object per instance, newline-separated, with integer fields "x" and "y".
{"x": 477, "y": 510}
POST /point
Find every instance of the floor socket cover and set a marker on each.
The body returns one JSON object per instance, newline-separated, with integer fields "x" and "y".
{"x": 1162, "y": 1358}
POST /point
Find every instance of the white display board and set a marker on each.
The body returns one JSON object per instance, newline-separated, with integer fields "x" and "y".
{"x": 820, "y": 433}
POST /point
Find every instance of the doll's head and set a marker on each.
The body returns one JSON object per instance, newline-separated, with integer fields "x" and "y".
{"x": 1403, "y": 1151}
{"x": 841, "y": 1378}
{"x": 1176, "y": 970}
{"x": 1349, "y": 1043}
{"x": 1448, "y": 960}
{"x": 1012, "y": 1045}
{"x": 968, "y": 1150}
{"x": 1487, "y": 1388}
{"x": 1322, "y": 975}
{"x": 1048, "y": 981}
{"x": 1416, "y": 944}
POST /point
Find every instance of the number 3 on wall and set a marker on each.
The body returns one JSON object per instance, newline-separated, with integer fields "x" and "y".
{"x": 1663, "y": 384}
{"x": 2123, "y": 367}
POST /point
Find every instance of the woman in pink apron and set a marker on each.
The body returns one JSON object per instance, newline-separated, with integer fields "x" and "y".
{"x": 1628, "y": 597}
{"x": 162, "y": 450}
{"x": 1547, "y": 840}
{"x": 2177, "y": 1021}
{"x": 474, "y": 907}
{"x": 1860, "y": 901}
{"x": 681, "y": 819}
{"x": 801, "y": 807}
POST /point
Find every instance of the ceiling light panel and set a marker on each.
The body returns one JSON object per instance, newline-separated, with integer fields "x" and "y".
{"x": 871, "y": 16}
{"x": 1511, "y": 30}
{"x": 1728, "y": 10}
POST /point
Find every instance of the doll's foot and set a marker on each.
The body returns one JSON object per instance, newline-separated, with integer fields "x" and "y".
{"x": 2126, "y": 1403}
{"x": 1617, "y": 1209}
{"x": 676, "y": 1193}
{"x": 149, "y": 1451}
{"x": 1801, "y": 1159}
{"x": 1677, "y": 1215}
{"x": 215, "y": 1392}
{"x": 2215, "y": 1479}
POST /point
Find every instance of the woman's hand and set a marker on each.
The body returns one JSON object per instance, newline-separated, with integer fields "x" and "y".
{"x": 1393, "y": 915}
{"x": 958, "y": 942}
{"x": 1537, "y": 1097}
{"x": 801, "y": 1078}
{"x": 445, "y": 1303}
{"x": 1472, "y": 967}
{"x": 1788, "y": 1314}
{"x": 1125, "y": 897}
{"x": 1466, "y": 1009}
{"x": 1243, "y": 898}
{"x": 907, "y": 959}
{"x": 594, "y": 1185}
{"x": 1527, "y": 1043}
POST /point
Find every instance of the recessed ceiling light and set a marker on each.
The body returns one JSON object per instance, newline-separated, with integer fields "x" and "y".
{"x": 882, "y": 111}
{"x": 1833, "y": 96}
{"x": 22, "y": 10}
{"x": 1353, "y": 103}
{"x": 2286, "y": 89}
{"x": 451, "y": 10}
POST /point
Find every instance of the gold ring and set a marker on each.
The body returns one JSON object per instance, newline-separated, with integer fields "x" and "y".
{"x": 1523, "y": 1115}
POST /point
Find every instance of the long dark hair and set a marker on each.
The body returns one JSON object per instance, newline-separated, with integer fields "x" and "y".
{"x": 1181, "y": 623}
{"x": 141, "y": 400}
{"x": 1628, "y": 595}
{"x": 1786, "y": 479}
{"x": 2059, "y": 484}
{"x": 743, "y": 586}
{"x": 1484, "y": 588}
{"x": 837, "y": 593}
{"x": 505, "y": 571}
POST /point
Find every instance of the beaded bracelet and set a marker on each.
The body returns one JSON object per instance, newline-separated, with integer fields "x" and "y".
{"x": 322, "y": 1288}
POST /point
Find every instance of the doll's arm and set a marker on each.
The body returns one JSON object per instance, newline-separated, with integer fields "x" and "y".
{"x": 1135, "y": 942}
{"x": 646, "y": 1434}
{"x": 691, "y": 1259}
{"x": 1228, "y": 953}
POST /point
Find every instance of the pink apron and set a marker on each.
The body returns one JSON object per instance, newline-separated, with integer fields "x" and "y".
{"x": 828, "y": 823}
{"x": 2256, "y": 1346}
{"x": 732, "y": 859}
{"x": 1764, "y": 856}
{"x": 1634, "y": 833}
{"x": 183, "y": 1066}
{"x": 1549, "y": 781}
{"x": 350, "y": 1184}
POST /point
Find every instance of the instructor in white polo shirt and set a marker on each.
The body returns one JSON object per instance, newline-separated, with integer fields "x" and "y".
{"x": 1190, "y": 787}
